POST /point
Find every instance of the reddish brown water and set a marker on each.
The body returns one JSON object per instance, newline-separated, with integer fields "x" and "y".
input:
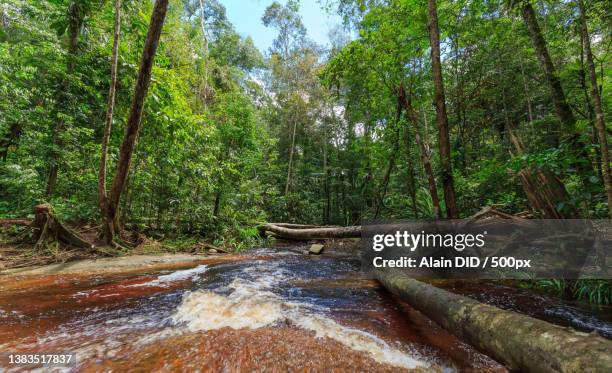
{"x": 566, "y": 312}
{"x": 265, "y": 311}
{"x": 275, "y": 312}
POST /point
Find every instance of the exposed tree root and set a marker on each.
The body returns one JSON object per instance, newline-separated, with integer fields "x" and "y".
{"x": 52, "y": 230}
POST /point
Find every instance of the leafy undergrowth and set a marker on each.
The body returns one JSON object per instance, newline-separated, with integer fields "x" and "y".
{"x": 595, "y": 291}
{"x": 17, "y": 247}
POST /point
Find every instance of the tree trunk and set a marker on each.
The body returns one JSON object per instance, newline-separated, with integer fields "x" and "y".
{"x": 425, "y": 158}
{"x": 102, "y": 196}
{"x": 311, "y": 233}
{"x": 599, "y": 114}
{"x": 206, "y": 89}
{"x": 11, "y": 139}
{"x": 136, "y": 109}
{"x": 411, "y": 176}
{"x": 382, "y": 192}
{"x": 217, "y": 205}
{"x": 291, "y": 151}
{"x": 527, "y": 95}
{"x": 303, "y": 226}
{"x": 543, "y": 189}
{"x": 564, "y": 113}
{"x": 520, "y": 342}
{"x": 380, "y": 197}
{"x": 75, "y": 21}
{"x": 441, "y": 115}
{"x": 326, "y": 208}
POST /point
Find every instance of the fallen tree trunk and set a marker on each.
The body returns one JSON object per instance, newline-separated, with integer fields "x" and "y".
{"x": 10, "y": 222}
{"x": 521, "y": 342}
{"x": 310, "y": 233}
{"x": 303, "y": 226}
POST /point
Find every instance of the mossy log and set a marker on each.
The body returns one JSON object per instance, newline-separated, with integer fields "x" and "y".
{"x": 52, "y": 230}
{"x": 521, "y": 342}
{"x": 310, "y": 233}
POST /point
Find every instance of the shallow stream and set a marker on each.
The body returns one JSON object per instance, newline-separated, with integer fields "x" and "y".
{"x": 269, "y": 310}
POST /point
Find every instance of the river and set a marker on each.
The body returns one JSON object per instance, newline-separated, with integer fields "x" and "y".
{"x": 268, "y": 310}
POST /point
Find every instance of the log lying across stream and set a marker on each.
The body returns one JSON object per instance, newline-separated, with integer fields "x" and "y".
{"x": 309, "y": 232}
{"x": 293, "y": 231}
{"x": 520, "y": 342}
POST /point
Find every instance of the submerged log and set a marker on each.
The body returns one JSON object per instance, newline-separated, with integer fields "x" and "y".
{"x": 51, "y": 229}
{"x": 310, "y": 233}
{"x": 521, "y": 342}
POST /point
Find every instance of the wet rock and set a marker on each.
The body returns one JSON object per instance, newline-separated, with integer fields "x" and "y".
{"x": 316, "y": 249}
{"x": 212, "y": 251}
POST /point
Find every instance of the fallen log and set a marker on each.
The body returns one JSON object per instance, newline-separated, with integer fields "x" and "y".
{"x": 303, "y": 226}
{"x": 521, "y": 342}
{"x": 310, "y": 233}
{"x": 293, "y": 231}
{"x": 11, "y": 222}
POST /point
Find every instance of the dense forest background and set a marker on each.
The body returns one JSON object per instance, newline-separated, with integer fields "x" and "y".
{"x": 510, "y": 113}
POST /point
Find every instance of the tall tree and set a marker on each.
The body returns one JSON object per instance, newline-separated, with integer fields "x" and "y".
{"x": 102, "y": 195}
{"x": 564, "y": 112}
{"x": 441, "y": 115}
{"x": 76, "y": 15}
{"x": 291, "y": 37}
{"x": 135, "y": 115}
{"x": 413, "y": 116}
{"x": 600, "y": 122}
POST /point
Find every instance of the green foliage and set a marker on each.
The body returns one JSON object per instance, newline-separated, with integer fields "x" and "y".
{"x": 302, "y": 133}
{"x": 596, "y": 291}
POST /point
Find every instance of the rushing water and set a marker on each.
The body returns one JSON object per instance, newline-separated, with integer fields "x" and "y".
{"x": 274, "y": 311}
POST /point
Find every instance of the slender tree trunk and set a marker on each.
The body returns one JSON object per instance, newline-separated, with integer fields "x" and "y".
{"x": 136, "y": 109}
{"x": 382, "y": 192}
{"x": 425, "y": 158}
{"x": 217, "y": 205}
{"x": 326, "y": 172}
{"x": 442, "y": 117}
{"x": 600, "y": 122}
{"x": 411, "y": 176}
{"x": 75, "y": 21}
{"x": 291, "y": 151}
{"x": 527, "y": 95}
{"x": 564, "y": 113}
{"x": 596, "y": 161}
{"x": 102, "y": 196}
{"x": 387, "y": 176}
{"x": 205, "y": 46}
{"x": 583, "y": 80}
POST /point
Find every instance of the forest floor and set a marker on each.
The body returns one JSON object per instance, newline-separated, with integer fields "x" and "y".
{"x": 17, "y": 248}
{"x": 19, "y": 255}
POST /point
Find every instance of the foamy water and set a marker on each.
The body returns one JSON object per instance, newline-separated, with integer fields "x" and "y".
{"x": 252, "y": 305}
{"x": 185, "y": 274}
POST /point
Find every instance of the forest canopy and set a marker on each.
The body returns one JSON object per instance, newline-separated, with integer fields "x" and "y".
{"x": 415, "y": 109}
